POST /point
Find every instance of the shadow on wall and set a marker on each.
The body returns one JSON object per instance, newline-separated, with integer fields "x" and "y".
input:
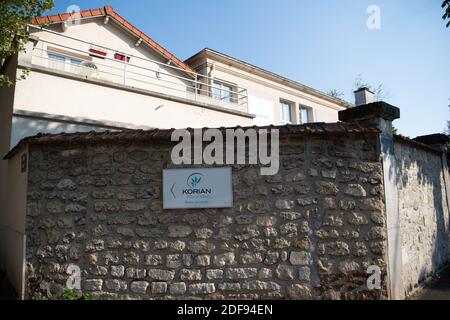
{"x": 26, "y": 127}
{"x": 423, "y": 213}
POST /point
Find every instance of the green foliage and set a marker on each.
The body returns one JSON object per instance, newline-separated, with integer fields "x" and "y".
{"x": 335, "y": 94}
{"x": 446, "y": 16}
{"x": 88, "y": 296}
{"x": 394, "y": 131}
{"x": 381, "y": 93}
{"x": 447, "y": 131}
{"x": 448, "y": 122}
{"x": 71, "y": 294}
{"x": 14, "y": 17}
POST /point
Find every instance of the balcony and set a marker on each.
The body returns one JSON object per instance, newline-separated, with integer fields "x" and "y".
{"x": 98, "y": 63}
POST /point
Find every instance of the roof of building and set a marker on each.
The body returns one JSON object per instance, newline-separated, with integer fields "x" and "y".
{"x": 273, "y": 76}
{"x": 164, "y": 135}
{"x": 108, "y": 11}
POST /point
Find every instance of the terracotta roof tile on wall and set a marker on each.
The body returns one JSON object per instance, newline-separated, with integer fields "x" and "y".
{"x": 159, "y": 135}
{"x": 109, "y": 11}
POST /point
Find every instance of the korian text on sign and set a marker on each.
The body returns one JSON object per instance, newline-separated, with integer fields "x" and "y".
{"x": 197, "y": 188}
{"x": 194, "y": 180}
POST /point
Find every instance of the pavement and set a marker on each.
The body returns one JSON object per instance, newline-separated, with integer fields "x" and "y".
{"x": 437, "y": 289}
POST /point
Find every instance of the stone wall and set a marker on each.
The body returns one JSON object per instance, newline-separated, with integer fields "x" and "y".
{"x": 309, "y": 232}
{"x": 423, "y": 213}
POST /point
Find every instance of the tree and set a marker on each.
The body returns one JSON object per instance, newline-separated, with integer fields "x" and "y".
{"x": 394, "y": 130}
{"x": 14, "y": 17}
{"x": 448, "y": 123}
{"x": 447, "y": 131}
{"x": 381, "y": 93}
{"x": 335, "y": 94}
{"x": 446, "y": 16}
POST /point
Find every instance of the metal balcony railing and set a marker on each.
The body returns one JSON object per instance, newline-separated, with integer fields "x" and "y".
{"x": 82, "y": 58}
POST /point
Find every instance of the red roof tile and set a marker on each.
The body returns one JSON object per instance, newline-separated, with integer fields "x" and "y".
{"x": 96, "y": 12}
{"x": 109, "y": 11}
{"x": 54, "y": 18}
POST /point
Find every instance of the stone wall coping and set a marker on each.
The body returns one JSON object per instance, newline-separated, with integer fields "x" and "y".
{"x": 416, "y": 144}
{"x": 164, "y": 135}
{"x": 433, "y": 139}
{"x": 378, "y": 109}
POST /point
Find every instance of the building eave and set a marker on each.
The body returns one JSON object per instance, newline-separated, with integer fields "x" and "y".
{"x": 108, "y": 11}
{"x": 219, "y": 56}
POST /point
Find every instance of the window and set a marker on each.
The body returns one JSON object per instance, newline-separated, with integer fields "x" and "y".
{"x": 223, "y": 91}
{"x": 63, "y": 59}
{"x": 56, "y": 57}
{"x": 286, "y": 112}
{"x": 64, "y": 63}
{"x": 304, "y": 115}
{"x": 75, "y": 61}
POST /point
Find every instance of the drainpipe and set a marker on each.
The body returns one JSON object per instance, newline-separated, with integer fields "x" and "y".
{"x": 381, "y": 115}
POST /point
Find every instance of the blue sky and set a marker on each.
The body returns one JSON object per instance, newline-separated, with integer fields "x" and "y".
{"x": 324, "y": 44}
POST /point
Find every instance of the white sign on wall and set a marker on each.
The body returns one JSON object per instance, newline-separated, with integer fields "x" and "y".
{"x": 197, "y": 188}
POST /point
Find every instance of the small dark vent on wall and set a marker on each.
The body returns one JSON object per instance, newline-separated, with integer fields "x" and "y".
{"x": 122, "y": 57}
{"x": 97, "y": 53}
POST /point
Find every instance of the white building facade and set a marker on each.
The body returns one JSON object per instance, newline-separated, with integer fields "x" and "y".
{"x": 95, "y": 71}
{"x": 273, "y": 99}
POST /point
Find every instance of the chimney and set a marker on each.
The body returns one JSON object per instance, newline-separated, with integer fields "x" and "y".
{"x": 364, "y": 96}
